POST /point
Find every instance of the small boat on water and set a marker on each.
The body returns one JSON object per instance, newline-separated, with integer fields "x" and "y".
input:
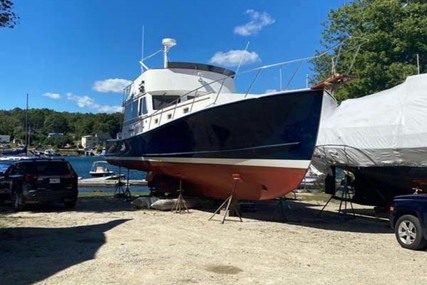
{"x": 100, "y": 169}
{"x": 185, "y": 123}
{"x": 49, "y": 152}
{"x": 15, "y": 152}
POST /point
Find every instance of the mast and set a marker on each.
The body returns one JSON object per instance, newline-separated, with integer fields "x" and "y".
{"x": 418, "y": 63}
{"x": 26, "y": 128}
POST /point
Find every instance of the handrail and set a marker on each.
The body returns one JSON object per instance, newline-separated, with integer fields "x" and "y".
{"x": 219, "y": 91}
{"x": 193, "y": 101}
{"x": 252, "y": 84}
{"x": 223, "y": 79}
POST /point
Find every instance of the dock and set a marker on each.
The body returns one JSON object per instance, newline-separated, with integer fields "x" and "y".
{"x": 109, "y": 183}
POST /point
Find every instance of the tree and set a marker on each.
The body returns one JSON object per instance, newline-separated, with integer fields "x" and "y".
{"x": 8, "y": 18}
{"x": 56, "y": 123}
{"x": 391, "y": 34}
{"x": 41, "y": 122}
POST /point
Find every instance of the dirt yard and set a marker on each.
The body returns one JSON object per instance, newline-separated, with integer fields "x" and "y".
{"x": 107, "y": 241}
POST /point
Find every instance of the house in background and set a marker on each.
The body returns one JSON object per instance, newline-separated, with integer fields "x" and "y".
{"x": 55, "y": 135}
{"x": 88, "y": 141}
{"x": 92, "y": 141}
{"x": 4, "y": 139}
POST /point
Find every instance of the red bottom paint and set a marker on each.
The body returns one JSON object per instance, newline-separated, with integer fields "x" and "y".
{"x": 217, "y": 181}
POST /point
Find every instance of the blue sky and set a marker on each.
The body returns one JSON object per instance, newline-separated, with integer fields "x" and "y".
{"x": 77, "y": 55}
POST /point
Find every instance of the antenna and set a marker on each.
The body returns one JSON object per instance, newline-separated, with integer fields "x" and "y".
{"x": 241, "y": 58}
{"x": 141, "y": 62}
{"x": 167, "y": 44}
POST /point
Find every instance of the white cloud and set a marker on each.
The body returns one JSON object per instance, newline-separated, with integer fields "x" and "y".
{"x": 234, "y": 57}
{"x": 52, "y": 95}
{"x": 257, "y": 22}
{"x": 115, "y": 85}
{"x": 88, "y": 102}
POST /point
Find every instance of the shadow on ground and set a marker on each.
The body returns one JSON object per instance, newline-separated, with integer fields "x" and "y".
{"x": 85, "y": 204}
{"x": 29, "y": 255}
{"x": 290, "y": 211}
{"x": 307, "y": 214}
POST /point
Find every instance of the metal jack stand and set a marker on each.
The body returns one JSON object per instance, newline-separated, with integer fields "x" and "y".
{"x": 345, "y": 198}
{"x": 282, "y": 202}
{"x": 120, "y": 192}
{"x": 229, "y": 201}
{"x": 180, "y": 204}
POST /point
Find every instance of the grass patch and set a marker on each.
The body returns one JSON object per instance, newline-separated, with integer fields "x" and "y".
{"x": 315, "y": 196}
{"x": 95, "y": 195}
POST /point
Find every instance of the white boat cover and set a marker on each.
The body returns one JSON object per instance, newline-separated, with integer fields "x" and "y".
{"x": 388, "y": 128}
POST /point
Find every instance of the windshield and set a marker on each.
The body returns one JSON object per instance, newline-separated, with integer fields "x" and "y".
{"x": 47, "y": 168}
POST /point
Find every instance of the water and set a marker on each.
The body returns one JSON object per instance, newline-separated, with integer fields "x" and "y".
{"x": 83, "y": 164}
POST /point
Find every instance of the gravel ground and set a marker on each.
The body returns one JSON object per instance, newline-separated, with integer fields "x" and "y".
{"x": 107, "y": 241}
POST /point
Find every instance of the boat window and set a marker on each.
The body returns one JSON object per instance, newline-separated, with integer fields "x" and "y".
{"x": 162, "y": 101}
{"x": 131, "y": 110}
{"x": 127, "y": 91}
{"x": 143, "y": 106}
{"x": 186, "y": 110}
{"x": 128, "y": 110}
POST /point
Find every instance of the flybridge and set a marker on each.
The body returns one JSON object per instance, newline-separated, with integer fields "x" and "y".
{"x": 201, "y": 67}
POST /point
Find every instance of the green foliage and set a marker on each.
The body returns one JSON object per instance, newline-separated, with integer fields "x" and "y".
{"x": 41, "y": 122}
{"x": 56, "y": 123}
{"x": 8, "y": 18}
{"x": 390, "y": 33}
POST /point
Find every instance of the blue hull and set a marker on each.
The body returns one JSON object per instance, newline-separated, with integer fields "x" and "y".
{"x": 273, "y": 132}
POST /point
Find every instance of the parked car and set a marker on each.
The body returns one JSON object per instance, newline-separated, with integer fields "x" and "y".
{"x": 5, "y": 167}
{"x": 408, "y": 217}
{"x": 41, "y": 181}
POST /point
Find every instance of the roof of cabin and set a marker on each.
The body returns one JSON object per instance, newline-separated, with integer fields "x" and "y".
{"x": 200, "y": 66}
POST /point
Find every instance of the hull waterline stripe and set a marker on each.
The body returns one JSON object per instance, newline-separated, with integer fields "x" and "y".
{"x": 303, "y": 164}
{"x": 221, "y": 151}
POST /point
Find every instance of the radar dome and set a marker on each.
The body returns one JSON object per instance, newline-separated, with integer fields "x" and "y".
{"x": 168, "y": 42}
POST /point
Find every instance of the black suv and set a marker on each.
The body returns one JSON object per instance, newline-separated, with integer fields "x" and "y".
{"x": 41, "y": 181}
{"x": 5, "y": 167}
{"x": 408, "y": 217}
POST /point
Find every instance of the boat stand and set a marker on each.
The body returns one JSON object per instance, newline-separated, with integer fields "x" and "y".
{"x": 180, "y": 204}
{"x": 230, "y": 201}
{"x": 121, "y": 192}
{"x": 345, "y": 199}
{"x": 281, "y": 206}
